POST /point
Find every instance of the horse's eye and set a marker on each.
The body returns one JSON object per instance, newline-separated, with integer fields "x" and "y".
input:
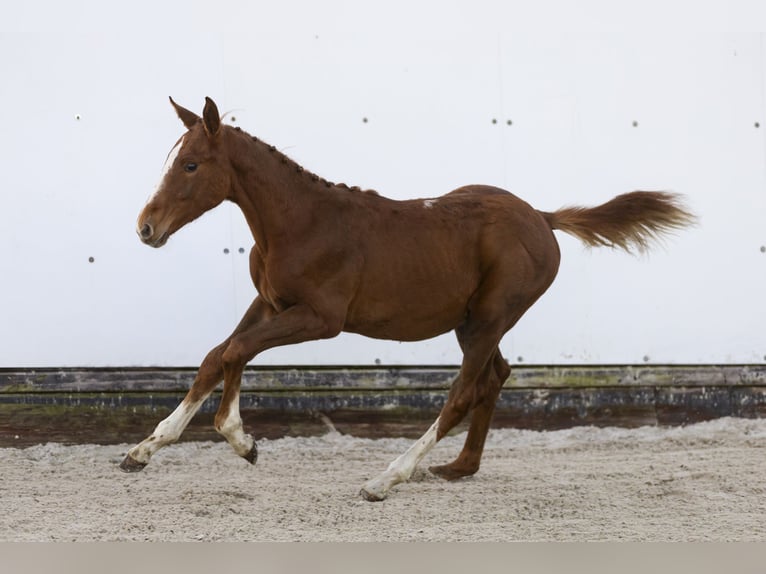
{"x": 190, "y": 167}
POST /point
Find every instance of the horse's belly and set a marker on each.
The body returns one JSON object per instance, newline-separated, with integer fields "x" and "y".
{"x": 401, "y": 330}
{"x": 420, "y": 312}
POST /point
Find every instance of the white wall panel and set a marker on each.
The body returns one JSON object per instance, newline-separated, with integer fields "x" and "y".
{"x": 87, "y": 127}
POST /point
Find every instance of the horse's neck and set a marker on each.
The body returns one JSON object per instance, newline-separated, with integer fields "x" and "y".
{"x": 275, "y": 194}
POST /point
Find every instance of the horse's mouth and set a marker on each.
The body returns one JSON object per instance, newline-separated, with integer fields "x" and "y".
{"x": 160, "y": 241}
{"x": 156, "y": 242}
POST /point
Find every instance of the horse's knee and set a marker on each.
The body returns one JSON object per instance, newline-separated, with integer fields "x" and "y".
{"x": 234, "y": 355}
{"x": 213, "y": 356}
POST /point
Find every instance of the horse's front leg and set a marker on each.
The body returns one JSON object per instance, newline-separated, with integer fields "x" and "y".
{"x": 209, "y": 375}
{"x": 169, "y": 429}
{"x": 228, "y": 423}
{"x": 293, "y": 325}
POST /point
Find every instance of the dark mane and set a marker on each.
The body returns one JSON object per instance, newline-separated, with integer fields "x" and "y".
{"x": 300, "y": 169}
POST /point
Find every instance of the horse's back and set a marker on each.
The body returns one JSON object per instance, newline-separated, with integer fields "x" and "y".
{"x": 431, "y": 256}
{"x": 479, "y": 190}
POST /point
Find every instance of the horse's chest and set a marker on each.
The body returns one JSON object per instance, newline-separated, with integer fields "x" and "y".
{"x": 264, "y": 285}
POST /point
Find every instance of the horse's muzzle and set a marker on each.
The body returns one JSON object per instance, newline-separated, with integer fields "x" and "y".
{"x": 146, "y": 233}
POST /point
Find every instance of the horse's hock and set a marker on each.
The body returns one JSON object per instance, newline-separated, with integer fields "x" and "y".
{"x": 111, "y": 405}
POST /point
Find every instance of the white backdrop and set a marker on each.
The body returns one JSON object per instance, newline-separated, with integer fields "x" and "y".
{"x": 560, "y": 102}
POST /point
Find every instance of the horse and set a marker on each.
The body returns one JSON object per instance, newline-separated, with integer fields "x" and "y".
{"x": 329, "y": 258}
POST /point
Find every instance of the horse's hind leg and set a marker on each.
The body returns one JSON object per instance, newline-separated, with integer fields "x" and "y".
{"x": 401, "y": 469}
{"x": 492, "y": 313}
{"x": 467, "y": 462}
{"x": 477, "y": 361}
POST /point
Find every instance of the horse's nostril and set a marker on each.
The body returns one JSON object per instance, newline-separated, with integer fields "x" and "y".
{"x": 146, "y": 231}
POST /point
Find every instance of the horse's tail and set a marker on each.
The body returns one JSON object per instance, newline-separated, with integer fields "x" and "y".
{"x": 631, "y": 220}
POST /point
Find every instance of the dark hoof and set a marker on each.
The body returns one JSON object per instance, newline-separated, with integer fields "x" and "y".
{"x": 130, "y": 464}
{"x": 252, "y": 456}
{"x": 371, "y": 496}
{"x": 451, "y": 472}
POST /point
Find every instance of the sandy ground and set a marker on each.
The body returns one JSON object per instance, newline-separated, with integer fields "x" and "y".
{"x": 701, "y": 482}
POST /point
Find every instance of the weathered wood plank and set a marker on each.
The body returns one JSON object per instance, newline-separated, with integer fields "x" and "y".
{"x": 281, "y": 378}
{"x": 123, "y": 405}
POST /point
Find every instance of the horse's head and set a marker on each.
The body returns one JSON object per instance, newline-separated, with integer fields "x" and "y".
{"x": 195, "y": 179}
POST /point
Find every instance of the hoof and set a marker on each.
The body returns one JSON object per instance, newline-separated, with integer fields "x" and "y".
{"x": 252, "y": 456}
{"x": 450, "y": 472}
{"x": 371, "y": 496}
{"x": 130, "y": 464}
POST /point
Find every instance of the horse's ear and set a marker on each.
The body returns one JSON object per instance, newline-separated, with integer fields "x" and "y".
{"x": 188, "y": 118}
{"x": 211, "y": 118}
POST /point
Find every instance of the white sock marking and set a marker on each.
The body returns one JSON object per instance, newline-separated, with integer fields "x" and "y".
{"x": 401, "y": 469}
{"x": 232, "y": 430}
{"x": 167, "y": 431}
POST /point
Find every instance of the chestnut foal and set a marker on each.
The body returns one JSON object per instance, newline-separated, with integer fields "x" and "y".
{"x": 328, "y": 258}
